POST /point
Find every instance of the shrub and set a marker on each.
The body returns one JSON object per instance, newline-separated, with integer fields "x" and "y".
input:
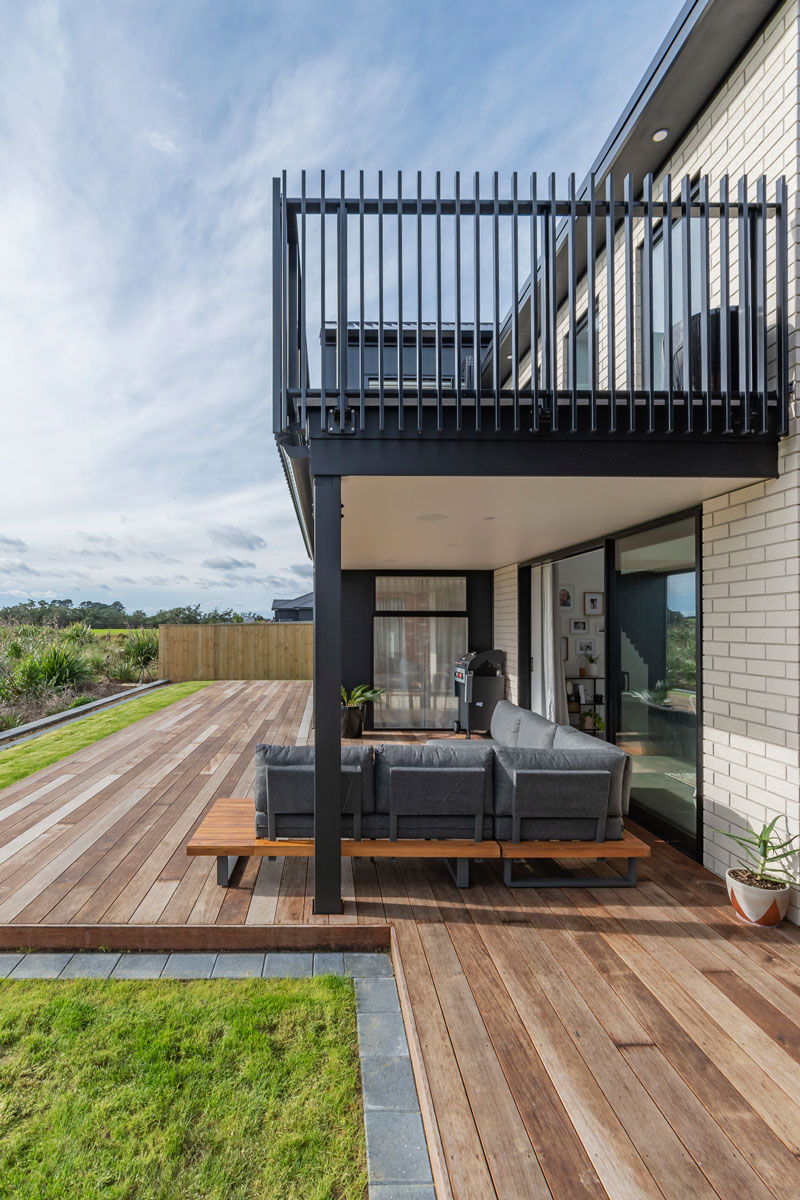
{"x": 123, "y": 671}
{"x": 79, "y": 701}
{"x": 10, "y": 720}
{"x": 78, "y": 633}
{"x": 61, "y": 665}
{"x": 28, "y": 678}
{"x": 140, "y": 647}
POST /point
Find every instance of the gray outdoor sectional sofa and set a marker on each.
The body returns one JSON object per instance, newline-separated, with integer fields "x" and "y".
{"x": 531, "y": 780}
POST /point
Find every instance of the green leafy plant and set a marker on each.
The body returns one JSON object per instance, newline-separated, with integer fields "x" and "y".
{"x": 10, "y": 720}
{"x": 363, "y": 694}
{"x": 589, "y": 658}
{"x": 123, "y": 671}
{"x": 78, "y": 633}
{"x": 140, "y": 648}
{"x": 654, "y": 695}
{"x": 61, "y": 665}
{"x": 592, "y": 720}
{"x": 765, "y": 856}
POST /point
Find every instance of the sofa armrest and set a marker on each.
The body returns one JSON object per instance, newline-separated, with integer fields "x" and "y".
{"x": 436, "y": 791}
{"x": 561, "y": 795}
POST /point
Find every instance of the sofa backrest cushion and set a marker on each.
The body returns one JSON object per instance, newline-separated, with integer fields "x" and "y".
{"x": 597, "y": 757}
{"x": 505, "y": 723}
{"x": 535, "y": 732}
{"x": 462, "y": 754}
{"x": 567, "y": 737}
{"x": 302, "y": 795}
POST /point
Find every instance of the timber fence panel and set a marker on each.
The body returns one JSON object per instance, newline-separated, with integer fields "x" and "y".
{"x": 266, "y": 650}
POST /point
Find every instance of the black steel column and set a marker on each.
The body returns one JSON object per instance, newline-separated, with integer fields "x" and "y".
{"x": 327, "y": 684}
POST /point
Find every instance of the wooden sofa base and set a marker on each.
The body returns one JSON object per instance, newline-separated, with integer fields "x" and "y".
{"x": 227, "y": 834}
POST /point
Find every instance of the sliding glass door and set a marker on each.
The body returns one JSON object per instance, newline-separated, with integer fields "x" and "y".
{"x": 420, "y": 629}
{"x": 656, "y": 643}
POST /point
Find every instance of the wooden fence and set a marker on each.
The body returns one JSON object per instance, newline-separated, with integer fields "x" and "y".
{"x": 267, "y": 650}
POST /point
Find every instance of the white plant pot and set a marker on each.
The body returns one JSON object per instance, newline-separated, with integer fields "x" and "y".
{"x": 757, "y": 906}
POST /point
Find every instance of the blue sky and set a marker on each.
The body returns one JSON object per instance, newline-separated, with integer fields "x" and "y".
{"x": 138, "y": 143}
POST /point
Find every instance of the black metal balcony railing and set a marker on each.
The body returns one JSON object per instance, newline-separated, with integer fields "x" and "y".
{"x": 638, "y": 319}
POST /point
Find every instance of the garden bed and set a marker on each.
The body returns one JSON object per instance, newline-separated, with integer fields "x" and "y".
{"x": 217, "y": 1089}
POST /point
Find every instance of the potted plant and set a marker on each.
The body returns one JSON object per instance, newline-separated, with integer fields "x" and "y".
{"x": 591, "y": 662}
{"x": 592, "y": 720}
{"x": 759, "y": 888}
{"x": 353, "y": 708}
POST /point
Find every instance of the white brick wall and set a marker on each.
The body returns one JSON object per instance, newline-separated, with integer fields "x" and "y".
{"x": 751, "y": 659}
{"x": 505, "y": 623}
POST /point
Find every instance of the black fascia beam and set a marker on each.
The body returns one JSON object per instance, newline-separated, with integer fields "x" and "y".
{"x": 327, "y": 695}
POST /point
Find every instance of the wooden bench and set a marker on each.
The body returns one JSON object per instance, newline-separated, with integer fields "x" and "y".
{"x": 228, "y": 833}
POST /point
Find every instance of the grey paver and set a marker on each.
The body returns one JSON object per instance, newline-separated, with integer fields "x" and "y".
{"x": 402, "y": 1191}
{"x": 396, "y": 1151}
{"x": 238, "y": 966}
{"x": 40, "y": 966}
{"x": 389, "y": 1084}
{"x": 328, "y": 963}
{"x": 90, "y": 966}
{"x": 189, "y": 966}
{"x": 280, "y": 965}
{"x": 382, "y": 1034}
{"x": 7, "y": 963}
{"x": 377, "y": 995}
{"x": 360, "y": 963}
{"x": 139, "y": 966}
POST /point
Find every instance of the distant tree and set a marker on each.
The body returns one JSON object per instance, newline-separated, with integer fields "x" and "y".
{"x": 102, "y": 615}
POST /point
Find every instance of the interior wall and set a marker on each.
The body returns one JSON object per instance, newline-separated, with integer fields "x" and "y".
{"x": 506, "y": 632}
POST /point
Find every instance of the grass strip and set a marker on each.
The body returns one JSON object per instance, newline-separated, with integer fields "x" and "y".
{"x": 19, "y": 761}
{"x": 164, "y": 1090}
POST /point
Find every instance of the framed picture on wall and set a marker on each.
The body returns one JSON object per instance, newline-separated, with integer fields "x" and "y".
{"x": 565, "y": 648}
{"x": 584, "y": 645}
{"x": 593, "y": 604}
{"x": 600, "y": 627}
{"x": 579, "y": 625}
{"x": 566, "y": 597}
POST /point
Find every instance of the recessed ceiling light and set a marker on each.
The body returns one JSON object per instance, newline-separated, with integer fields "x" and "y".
{"x": 432, "y": 517}
{"x": 660, "y": 135}
{"x": 490, "y": 518}
{"x": 450, "y": 545}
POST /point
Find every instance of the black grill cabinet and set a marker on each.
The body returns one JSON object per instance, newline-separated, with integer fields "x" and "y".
{"x": 479, "y": 681}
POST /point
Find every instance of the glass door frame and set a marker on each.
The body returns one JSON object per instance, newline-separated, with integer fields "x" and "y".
{"x": 612, "y": 648}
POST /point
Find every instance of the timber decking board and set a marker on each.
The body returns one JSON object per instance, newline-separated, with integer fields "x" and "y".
{"x": 589, "y": 1044}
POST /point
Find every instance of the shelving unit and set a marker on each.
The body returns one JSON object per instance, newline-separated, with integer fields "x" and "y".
{"x": 595, "y": 698}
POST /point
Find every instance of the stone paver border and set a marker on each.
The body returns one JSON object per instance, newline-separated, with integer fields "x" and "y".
{"x": 398, "y": 1167}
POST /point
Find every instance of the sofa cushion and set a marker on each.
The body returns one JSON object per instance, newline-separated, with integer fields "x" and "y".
{"x": 299, "y": 797}
{"x": 441, "y": 795}
{"x": 505, "y": 723}
{"x": 535, "y": 732}
{"x": 597, "y": 756}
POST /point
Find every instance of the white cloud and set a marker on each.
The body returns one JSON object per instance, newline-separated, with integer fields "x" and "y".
{"x": 161, "y": 142}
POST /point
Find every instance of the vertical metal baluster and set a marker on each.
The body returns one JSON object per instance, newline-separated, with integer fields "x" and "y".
{"x": 419, "y": 303}
{"x": 647, "y": 303}
{"x": 572, "y": 370}
{"x": 381, "y": 332}
{"x": 761, "y": 297}
{"x": 457, "y": 339}
{"x": 303, "y": 330}
{"x": 630, "y": 365}
{"x": 745, "y": 338}
{"x": 400, "y": 389}
{"x": 782, "y": 298}
{"x": 496, "y": 296}
{"x": 666, "y": 228}
{"x": 362, "y": 315}
{"x": 591, "y": 279}
{"x": 285, "y": 310}
{"x": 534, "y": 306}
{"x": 341, "y": 271}
{"x": 686, "y": 249}
{"x": 323, "y": 400}
{"x": 439, "y": 414}
{"x": 725, "y": 362}
{"x": 705, "y": 319}
{"x": 552, "y": 300}
{"x": 515, "y": 296}
{"x": 476, "y": 332}
{"x": 611, "y": 305}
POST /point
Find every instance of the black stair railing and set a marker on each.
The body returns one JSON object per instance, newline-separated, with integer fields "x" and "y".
{"x": 531, "y": 312}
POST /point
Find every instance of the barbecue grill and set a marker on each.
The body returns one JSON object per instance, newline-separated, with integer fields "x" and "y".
{"x": 479, "y": 681}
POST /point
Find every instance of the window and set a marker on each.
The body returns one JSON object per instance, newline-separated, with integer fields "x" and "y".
{"x": 582, "y": 380}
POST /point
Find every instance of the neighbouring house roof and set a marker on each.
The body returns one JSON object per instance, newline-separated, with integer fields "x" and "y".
{"x": 305, "y": 601}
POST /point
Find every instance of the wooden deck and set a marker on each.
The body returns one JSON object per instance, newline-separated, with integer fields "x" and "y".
{"x": 601, "y": 1043}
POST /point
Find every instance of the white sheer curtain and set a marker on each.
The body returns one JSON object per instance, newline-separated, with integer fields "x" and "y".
{"x": 548, "y": 689}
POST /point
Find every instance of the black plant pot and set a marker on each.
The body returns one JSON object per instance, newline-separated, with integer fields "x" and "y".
{"x": 352, "y": 722}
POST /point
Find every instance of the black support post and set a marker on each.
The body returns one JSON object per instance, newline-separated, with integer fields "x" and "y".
{"x": 327, "y": 682}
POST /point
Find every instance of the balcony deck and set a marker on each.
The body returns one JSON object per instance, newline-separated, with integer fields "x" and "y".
{"x": 567, "y": 1044}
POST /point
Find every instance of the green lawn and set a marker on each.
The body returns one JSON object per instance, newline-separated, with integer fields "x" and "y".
{"x": 213, "y": 1090}
{"x": 22, "y": 760}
